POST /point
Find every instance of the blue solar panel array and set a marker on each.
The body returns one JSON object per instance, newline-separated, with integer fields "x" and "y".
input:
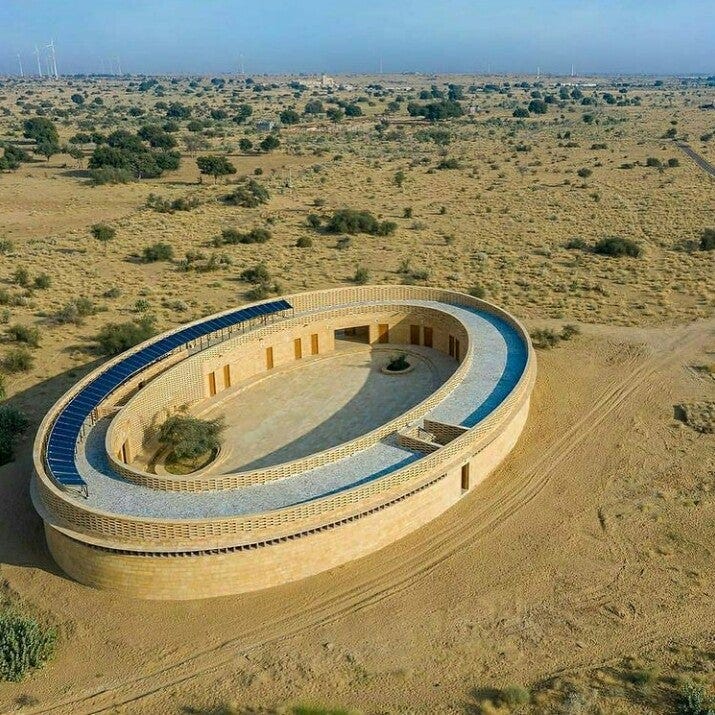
{"x": 65, "y": 432}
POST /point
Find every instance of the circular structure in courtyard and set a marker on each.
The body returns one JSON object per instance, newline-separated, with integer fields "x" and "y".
{"x": 325, "y": 457}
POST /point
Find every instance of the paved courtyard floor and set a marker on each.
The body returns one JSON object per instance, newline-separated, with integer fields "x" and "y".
{"x": 320, "y": 402}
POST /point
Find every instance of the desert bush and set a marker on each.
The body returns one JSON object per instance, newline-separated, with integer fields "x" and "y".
{"x": 450, "y": 163}
{"x": 75, "y": 311}
{"x": 694, "y": 699}
{"x": 28, "y": 334}
{"x": 110, "y": 175}
{"x": 314, "y": 221}
{"x": 304, "y": 242}
{"x": 230, "y": 236}
{"x": 21, "y": 277}
{"x": 616, "y": 246}
{"x": 585, "y": 172}
{"x": 544, "y": 338}
{"x": 157, "y": 252}
{"x": 257, "y": 274}
{"x": 12, "y": 424}
{"x": 189, "y": 437}
{"x": 514, "y": 695}
{"x": 352, "y": 221}
{"x": 103, "y": 232}
{"x": 707, "y": 239}
{"x": 18, "y": 360}
{"x": 343, "y": 242}
{"x": 653, "y": 162}
{"x": 362, "y": 275}
{"x": 576, "y": 243}
{"x": 250, "y": 195}
{"x": 407, "y": 213}
{"x": 24, "y": 645}
{"x": 162, "y": 205}
{"x": 42, "y": 281}
{"x": 115, "y": 338}
{"x": 569, "y": 331}
{"x": 477, "y": 291}
{"x": 6, "y": 246}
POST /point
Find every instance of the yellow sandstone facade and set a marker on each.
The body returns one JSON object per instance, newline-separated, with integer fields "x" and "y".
{"x": 161, "y": 556}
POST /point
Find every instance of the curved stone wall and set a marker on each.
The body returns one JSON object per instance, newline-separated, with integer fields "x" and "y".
{"x": 140, "y": 556}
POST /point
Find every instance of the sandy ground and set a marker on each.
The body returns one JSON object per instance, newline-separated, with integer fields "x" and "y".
{"x": 593, "y": 541}
{"x": 587, "y": 553}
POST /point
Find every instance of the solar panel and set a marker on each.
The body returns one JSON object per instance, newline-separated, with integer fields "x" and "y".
{"x": 66, "y": 428}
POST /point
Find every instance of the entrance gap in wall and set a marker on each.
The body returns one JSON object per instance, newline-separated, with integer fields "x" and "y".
{"x": 358, "y": 334}
{"x": 314, "y": 344}
{"x": 414, "y": 334}
{"x": 428, "y": 337}
{"x": 212, "y": 384}
{"x": 269, "y": 358}
{"x": 298, "y": 348}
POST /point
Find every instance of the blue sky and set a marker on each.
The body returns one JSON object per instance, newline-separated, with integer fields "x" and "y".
{"x": 340, "y": 36}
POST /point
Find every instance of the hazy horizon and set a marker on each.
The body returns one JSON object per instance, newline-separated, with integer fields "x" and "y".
{"x": 456, "y": 37}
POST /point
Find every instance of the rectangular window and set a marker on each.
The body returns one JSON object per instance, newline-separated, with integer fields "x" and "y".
{"x": 227, "y": 376}
{"x": 298, "y": 348}
{"x": 414, "y": 334}
{"x": 212, "y": 384}
{"x": 269, "y": 358}
{"x": 465, "y": 477}
{"x": 428, "y": 337}
{"x": 451, "y": 346}
{"x": 314, "y": 344}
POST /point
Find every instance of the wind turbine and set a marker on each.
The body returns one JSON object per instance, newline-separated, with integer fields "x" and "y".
{"x": 39, "y": 66}
{"x": 52, "y": 59}
{"x": 19, "y": 61}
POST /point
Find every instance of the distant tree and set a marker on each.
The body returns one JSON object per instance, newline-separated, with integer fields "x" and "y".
{"x": 538, "y": 106}
{"x": 178, "y": 111}
{"x": 576, "y": 93}
{"x": 41, "y": 129}
{"x": 436, "y": 111}
{"x": 521, "y": 113}
{"x": 245, "y": 145}
{"x": 215, "y": 166}
{"x": 270, "y": 143}
{"x": 335, "y": 114}
{"x": 243, "y": 112}
{"x": 194, "y": 143}
{"x": 78, "y": 99}
{"x": 289, "y": 116}
{"x": 400, "y": 177}
{"x": 219, "y": 114}
{"x": 47, "y": 149}
{"x": 456, "y": 92}
{"x": 353, "y": 110}
{"x": 313, "y": 106}
{"x": 157, "y": 137}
